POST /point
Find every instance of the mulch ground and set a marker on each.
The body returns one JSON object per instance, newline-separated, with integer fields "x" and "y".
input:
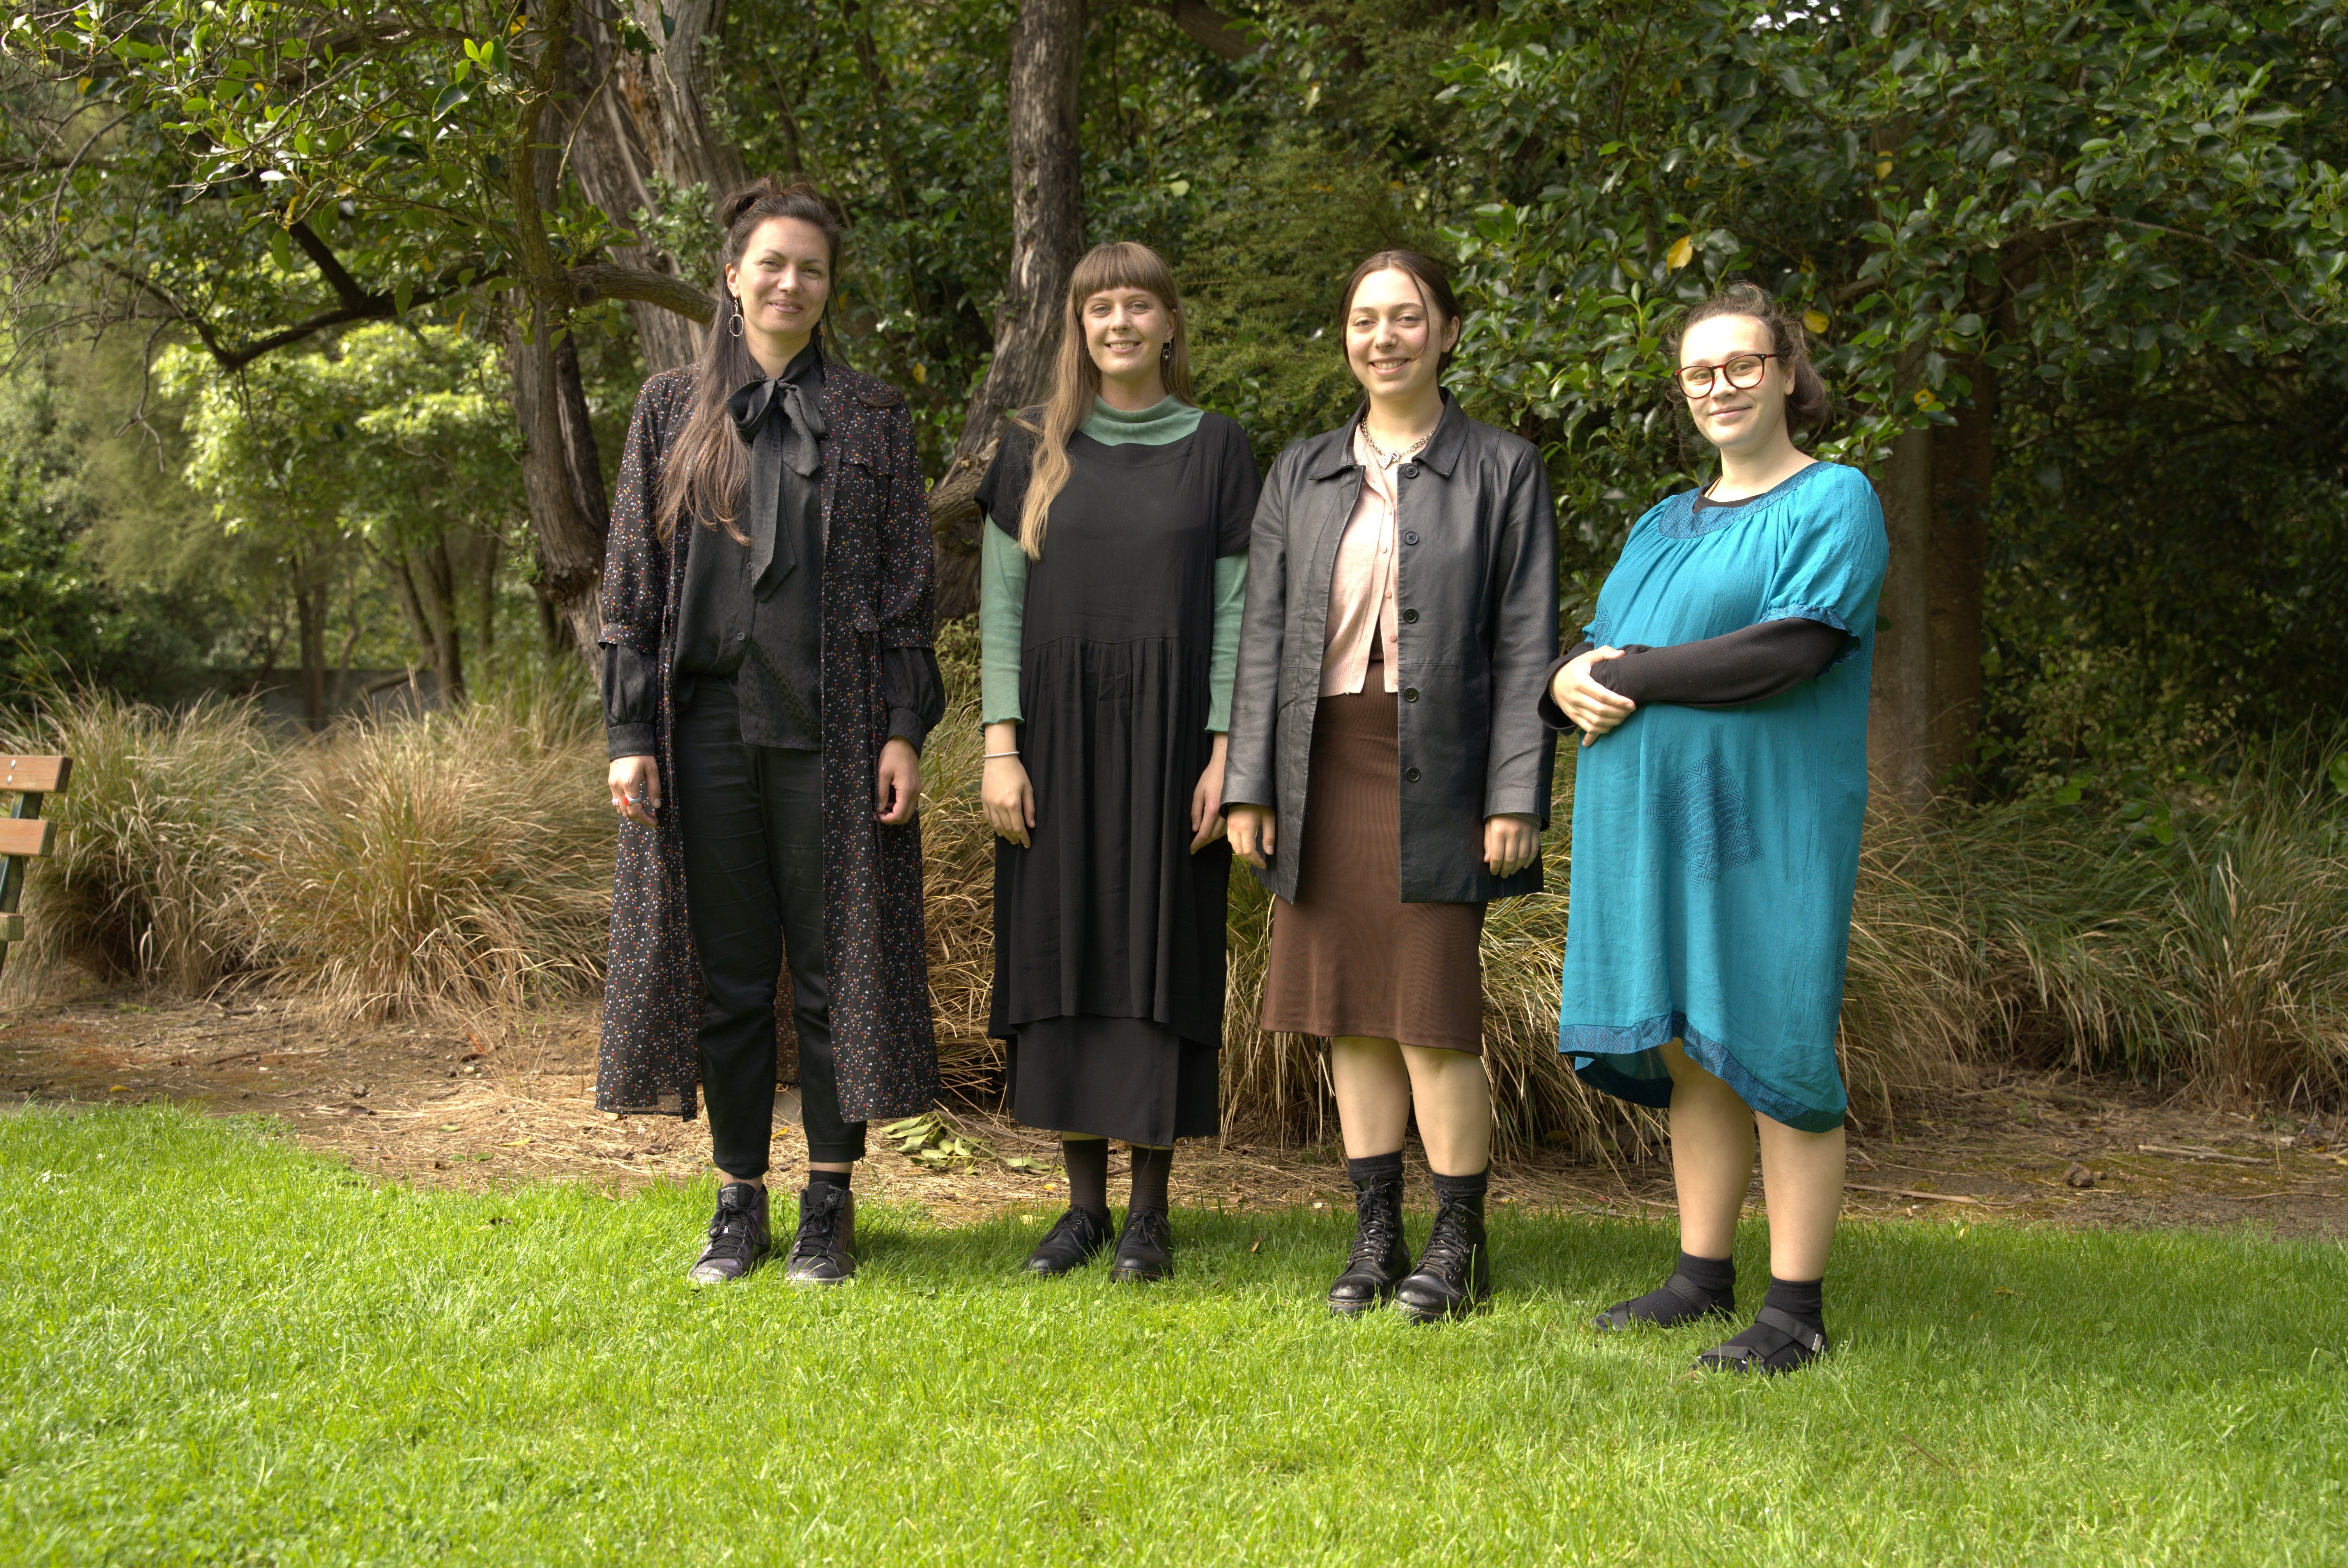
{"x": 491, "y": 1102}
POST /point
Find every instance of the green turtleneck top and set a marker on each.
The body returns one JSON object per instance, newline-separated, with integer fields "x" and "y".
{"x": 1003, "y": 579}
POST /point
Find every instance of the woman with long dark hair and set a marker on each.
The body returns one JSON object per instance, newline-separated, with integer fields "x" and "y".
{"x": 1388, "y": 775}
{"x": 1718, "y": 800}
{"x": 1113, "y": 573}
{"x": 767, "y": 683}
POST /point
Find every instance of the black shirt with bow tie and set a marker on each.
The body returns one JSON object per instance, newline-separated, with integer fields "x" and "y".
{"x": 753, "y": 614}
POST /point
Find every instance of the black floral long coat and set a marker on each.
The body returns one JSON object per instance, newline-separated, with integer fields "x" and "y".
{"x": 877, "y": 590}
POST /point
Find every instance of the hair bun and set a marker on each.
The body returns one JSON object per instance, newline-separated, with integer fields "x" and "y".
{"x": 730, "y": 209}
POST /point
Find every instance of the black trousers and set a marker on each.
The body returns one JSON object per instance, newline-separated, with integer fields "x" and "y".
{"x": 753, "y": 824}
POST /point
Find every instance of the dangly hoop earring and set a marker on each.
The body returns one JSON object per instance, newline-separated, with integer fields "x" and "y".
{"x": 1166, "y": 354}
{"x": 737, "y": 316}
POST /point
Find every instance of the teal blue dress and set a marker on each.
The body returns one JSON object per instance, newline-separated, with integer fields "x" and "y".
{"x": 1716, "y": 850}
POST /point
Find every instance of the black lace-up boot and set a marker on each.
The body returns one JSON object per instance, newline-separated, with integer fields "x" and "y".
{"x": 1075, "y": 1240}
{"x": 1454, "y": 1276}
{"x": 1145, "y": 1251}
{"x": 1379, "y": 1257}
{"x": 738, "y": 1237}
{"x": 824, "y": 1252}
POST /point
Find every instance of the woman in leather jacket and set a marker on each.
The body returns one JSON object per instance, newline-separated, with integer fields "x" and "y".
{"x": 1388, "y": 772}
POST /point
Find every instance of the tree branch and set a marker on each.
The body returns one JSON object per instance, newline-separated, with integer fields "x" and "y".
{"x": 346, "y": 287}
{"x": 610, "y": 281}
{"x": 1205, "y": 27}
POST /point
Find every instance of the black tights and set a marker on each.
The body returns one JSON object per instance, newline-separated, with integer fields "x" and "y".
{"x": 1087, "y": 1160}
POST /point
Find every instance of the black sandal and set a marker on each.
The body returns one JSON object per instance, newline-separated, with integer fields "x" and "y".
{"x": 1680, "y": 1300}
{"x": 1777, "y": 1342}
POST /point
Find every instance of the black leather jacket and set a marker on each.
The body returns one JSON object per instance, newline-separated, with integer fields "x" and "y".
{"x": 1476, "y": 598}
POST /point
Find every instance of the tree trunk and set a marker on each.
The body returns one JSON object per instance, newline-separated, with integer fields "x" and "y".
{"x": 669, "y": 96}
{"x": 1047, "y": 233}
{"x": 439, "y": 581}
{"x": 1898, "y": 748}
{"x": 615, "y": 169}
{"x": 562, "y": 478}
{"x": 485, "y": 578}
{"x": 309, "y": 613}
{"x": 1964, "y": 461}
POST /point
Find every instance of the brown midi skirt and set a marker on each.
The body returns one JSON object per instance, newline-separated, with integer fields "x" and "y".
{"x": 1349, "y": 956}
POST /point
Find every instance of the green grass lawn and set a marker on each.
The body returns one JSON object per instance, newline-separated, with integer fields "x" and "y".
{"x": 218, "y": 1348}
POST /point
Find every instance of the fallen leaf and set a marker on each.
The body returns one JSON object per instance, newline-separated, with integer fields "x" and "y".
{"x": 515, "y": 1144}
{"x": 118, "y": 1089}
{"x": 2079, "y": 1176}
{"x": 1256, "y": 1245}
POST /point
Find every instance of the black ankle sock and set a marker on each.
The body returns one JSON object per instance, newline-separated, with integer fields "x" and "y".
{"x": 1769, "y": 1347}
{"x": 829, "y": 1179}
{"x": 1371, "y": 1167}
{"x": 1087, "y": 1160}
{"x": 1802, "y": 1298}
{"x": 1713, "y": 1278}
{"x": 1151, "y": 1169}
{"x": 1717, "y": 1275}
{"x": 1462, "y": 1188}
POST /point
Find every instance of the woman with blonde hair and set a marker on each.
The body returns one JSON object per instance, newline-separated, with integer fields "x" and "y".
{"x": 1113, "y": 568}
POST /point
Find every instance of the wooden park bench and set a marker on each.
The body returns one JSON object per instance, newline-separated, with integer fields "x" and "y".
{"x": 23, "y": 833}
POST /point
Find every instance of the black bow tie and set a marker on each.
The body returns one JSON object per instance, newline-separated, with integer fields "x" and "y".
{"x": 800, "y": 424}
{"x": 802, "y": 420}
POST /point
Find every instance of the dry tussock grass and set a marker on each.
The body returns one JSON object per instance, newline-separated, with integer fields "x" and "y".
{"x": 463, "y": 862}
{"x": 456, "y": 860}
{"x": 156, "y": 835}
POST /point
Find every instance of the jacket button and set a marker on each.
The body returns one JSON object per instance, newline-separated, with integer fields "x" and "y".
{"x": 1410, "y": 539}
{"x": 1410, "y": 775}
{"x": 1410, "y": 470}
{"x": 1410, "y": 617}
{"x": 1410, "y": 693}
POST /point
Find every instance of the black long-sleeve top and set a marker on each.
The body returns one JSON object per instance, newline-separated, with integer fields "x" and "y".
{"x": 751, "y": 611}
{"x": 1732, "y": 670}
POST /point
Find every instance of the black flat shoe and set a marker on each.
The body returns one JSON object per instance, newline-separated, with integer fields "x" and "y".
{"x": 1146, "y": 1250}
{"x": 1777, "y": 1342}
{"x": 1075, "y": 1239}
{"x": 1454, "y": 1276}
{"x": 1679, "y": 1300}
{"x": 740, "y": 1239}
{"x": 824, "y": 1251}
{"x": 1379, "y": 1257}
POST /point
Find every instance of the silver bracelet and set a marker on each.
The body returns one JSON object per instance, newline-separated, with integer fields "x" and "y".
{"x": 990, "y": 756}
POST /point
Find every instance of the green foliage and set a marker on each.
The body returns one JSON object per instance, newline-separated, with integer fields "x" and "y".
{"x": 261, "y": 1352}
{"x": 2047, "y": 191}
{"x": 236, "y": 143}
{"x": 62, "y": 618}
{"x": 2164, "y": 575}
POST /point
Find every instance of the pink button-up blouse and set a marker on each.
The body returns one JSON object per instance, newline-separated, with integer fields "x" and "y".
{"x": 1361, "y": 592}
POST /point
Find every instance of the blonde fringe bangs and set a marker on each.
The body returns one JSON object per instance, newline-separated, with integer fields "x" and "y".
{"x": 1076, "y": 381}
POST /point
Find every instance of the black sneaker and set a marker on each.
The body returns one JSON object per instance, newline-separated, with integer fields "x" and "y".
{"x": 824, "y": 1252}
{"x": 1075, "y": 1239}
{"x": 1454, "y": 1276}
{"x": 1146, "y": 1250}
{"x": 738, "y": 1237}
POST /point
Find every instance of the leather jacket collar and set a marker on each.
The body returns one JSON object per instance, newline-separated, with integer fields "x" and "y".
{"x": 1334, "y": 449}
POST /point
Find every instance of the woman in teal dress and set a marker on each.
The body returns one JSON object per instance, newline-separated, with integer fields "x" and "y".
{"x": 1718, "y": 799}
